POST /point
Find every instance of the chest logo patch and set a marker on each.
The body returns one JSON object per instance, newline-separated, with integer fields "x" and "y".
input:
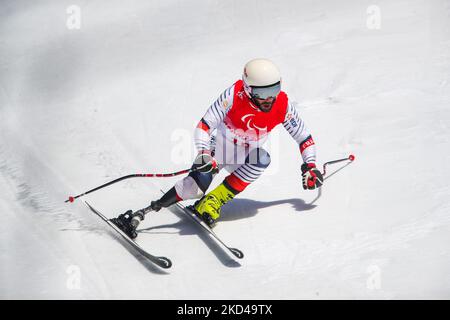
{"x": 250, "y": 123}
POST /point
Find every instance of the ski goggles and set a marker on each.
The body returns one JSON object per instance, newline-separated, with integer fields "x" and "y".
{"x": 265, "y": 92}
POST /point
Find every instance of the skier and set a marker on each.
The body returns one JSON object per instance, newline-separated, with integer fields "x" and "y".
{"x": 230, "y": 136}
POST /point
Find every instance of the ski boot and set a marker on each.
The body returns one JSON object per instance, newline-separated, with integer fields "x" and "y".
{"x": 129, "y": 221}
{"x": 124, "y": 223}
{"x": 208, "y": 208}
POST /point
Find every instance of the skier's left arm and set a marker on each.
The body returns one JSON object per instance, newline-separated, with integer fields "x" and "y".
{"x": 311, "y": 176}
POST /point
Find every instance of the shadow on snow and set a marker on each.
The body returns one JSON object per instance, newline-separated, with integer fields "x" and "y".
{"x": 234, "y": 210}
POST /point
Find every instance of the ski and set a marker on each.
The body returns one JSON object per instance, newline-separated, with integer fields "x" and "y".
{"x": 162, "y": 262}
{"x": 188, "y": 211}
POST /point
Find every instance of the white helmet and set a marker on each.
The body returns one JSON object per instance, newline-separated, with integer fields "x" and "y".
{"x": 262, "y": 80}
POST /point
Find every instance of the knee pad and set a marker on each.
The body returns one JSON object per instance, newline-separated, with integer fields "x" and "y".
{"x": 203, "y": 180}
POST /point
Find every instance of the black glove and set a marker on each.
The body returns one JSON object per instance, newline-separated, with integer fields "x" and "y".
{"x": 205, "y": 162}
{"x": 311, "y": 176}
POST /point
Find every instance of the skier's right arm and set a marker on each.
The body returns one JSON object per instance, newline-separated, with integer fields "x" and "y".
{"x": 212, "y": 118}
{"x": 205, "y": 162}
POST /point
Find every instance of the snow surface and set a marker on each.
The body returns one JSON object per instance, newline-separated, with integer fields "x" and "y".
{"x": 122, "y": 95}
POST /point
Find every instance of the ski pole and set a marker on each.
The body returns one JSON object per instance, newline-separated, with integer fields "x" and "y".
{"x": 350, "y": 157}
{"x": 136, "y": 175}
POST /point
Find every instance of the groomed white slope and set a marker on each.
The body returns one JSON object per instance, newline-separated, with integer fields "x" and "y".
{"x": 123, "y": 94}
